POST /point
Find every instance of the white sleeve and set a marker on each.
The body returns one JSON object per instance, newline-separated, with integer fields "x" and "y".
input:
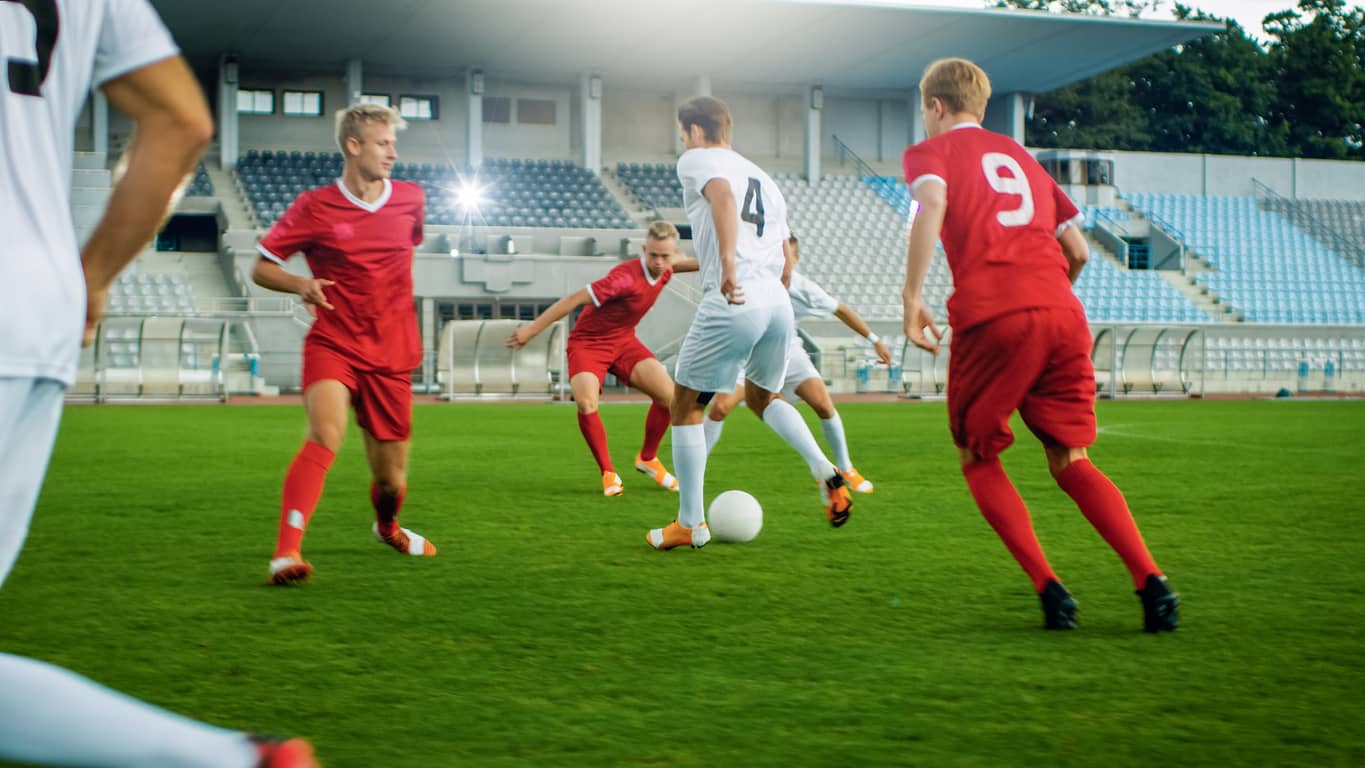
{"x": 695, "y": 169}
{"x": 814, "y": 301}
{"x": 131, "y": 37}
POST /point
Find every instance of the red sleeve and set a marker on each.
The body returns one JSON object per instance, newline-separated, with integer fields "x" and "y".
{"x": 419, "y": 227}
{"x": 291, "y": 234}
{"x": 922, "y": 162}
{"x": 615, "y": 284}
{"x": 1066, "y": 210}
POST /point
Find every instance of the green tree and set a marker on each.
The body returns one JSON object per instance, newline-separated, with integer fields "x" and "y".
{"x": 1319, "y": 69}
{"x": 1215, "y": 94}
{"x": 1099, "y": 113}
{"x": 1092, "y": 7}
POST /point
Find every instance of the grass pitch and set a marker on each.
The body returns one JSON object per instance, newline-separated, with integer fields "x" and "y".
{"x": 548, "y": 633}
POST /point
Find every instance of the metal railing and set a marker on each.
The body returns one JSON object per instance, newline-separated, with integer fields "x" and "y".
{"x": 1348, "y": 249}
{"x": 845, "y": 152}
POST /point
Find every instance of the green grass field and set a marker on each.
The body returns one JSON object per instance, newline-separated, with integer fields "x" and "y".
{"x": 547, "y": 633}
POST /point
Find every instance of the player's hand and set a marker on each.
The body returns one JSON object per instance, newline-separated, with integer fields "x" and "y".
{"x": 731, "y": 289}
{"x": 520, "y": 337}
{"x": 883, "y": 352}
{"x": 94, "y": 312}
{"x": 313, "y": 297}
{"x": 917, "y": 318}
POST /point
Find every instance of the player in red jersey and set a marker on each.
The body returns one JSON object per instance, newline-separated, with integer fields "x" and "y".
{"x": 1021, "y": 341}
{"x": 358, "y": 236}
{"x": 604, "y": 340}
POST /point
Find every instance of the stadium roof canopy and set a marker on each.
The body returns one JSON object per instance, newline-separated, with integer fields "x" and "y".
{"x": 855, "y": 46}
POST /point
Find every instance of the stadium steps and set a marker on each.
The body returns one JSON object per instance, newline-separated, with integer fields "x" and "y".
{"x": 229, "y": 194}
{"x": 1209, "y": 303}
{"x": 627, "y": 201}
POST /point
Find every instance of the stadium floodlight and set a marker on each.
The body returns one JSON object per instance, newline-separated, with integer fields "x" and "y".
{"x": 469, "y": 195}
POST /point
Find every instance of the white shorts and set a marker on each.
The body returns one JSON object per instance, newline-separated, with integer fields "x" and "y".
{"x": 723, "y": 336}
{"x": 30, "y": 410}
{"x": 799, "y": 369}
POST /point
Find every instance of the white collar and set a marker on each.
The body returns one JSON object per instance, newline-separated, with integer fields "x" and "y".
{"x": 965, "y": 125}
{"x": 645, "y": 268}
{"x": 361, "y": 204}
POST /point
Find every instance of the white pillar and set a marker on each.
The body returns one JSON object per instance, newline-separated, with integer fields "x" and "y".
{"x": 228, "y": 136}
{"x": 473, "y": 118}
{"x": 815, "y": 102}
{"x": 590, "y": 96}
{"x": 99, "y": 122}
{"x": 916, "y": 121}
{"x": 355, "y": 81}
{"x": 1016, "y": 108}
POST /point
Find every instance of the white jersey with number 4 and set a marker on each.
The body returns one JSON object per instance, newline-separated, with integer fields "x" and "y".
{"x": 762, "y": 222}
{"x": 51, "y": 53}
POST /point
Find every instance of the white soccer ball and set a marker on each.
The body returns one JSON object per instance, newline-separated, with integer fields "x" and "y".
{"x": 735, "y": 517}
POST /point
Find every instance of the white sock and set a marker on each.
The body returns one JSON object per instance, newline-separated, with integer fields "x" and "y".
{"x": 834, "y": 435}
{"x": 51, "y": 716}
{"x": 689, "y": 462}
{"x": 786, "y": 422}
{"x": 713, "y": 429}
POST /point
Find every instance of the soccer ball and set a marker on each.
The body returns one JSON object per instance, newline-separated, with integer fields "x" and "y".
{"x": 735, "y": 517}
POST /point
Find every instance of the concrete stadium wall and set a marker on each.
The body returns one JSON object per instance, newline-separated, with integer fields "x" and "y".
{"x": 1231, "y": 175}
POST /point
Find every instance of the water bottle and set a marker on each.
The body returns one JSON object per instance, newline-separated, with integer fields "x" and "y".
{"x": 893, "y": 377}
{"x": 1303, "y": 375}
{"x": 864, "y": 377}
{"x": 1329, "y": 375}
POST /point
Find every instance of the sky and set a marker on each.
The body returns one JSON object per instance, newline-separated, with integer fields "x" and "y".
{"x": 1247, "y": 13}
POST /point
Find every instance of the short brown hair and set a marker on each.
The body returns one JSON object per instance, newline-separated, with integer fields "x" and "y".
{"x": 662, "y": 230}
{"x": 961, "y": 85}
{"x": 712, "y": 114}
{"x": 351, "y": 121}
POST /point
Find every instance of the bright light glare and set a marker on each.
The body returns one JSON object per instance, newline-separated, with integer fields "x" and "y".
{"x": 469, "y": 195}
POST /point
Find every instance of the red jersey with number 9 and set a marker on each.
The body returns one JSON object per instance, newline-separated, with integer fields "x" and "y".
{"x": 1000, "y": 230}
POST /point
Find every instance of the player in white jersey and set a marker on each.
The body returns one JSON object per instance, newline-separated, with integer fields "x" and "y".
{"x": 55, "y": 50}
{"x": 739, "y": 228}
{"x": 803, "y": 380}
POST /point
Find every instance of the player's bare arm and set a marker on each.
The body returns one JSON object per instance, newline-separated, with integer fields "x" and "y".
{"x": 1075, "y": 249}
{"x": 790, "y": 255}
{"x": 682, "y": 264}
{"x": 924, "y": 231}
{"x": 858, "y": 325}
{"x": 268, "y": 274}
{"x": 560, "y": 309}
{"x": 725, "y": 214}
{"x": 173, "y": 128}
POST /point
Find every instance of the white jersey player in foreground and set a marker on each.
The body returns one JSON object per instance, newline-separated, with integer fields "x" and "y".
{"x": 739, "y": 227}
{"x": 803, "y": 380}
{"x": 55, "y": 50}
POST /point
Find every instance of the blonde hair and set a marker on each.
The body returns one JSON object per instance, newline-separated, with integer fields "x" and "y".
{"x": 662, "y": 230}
{"x": 961, "y": 85}
{"x": 712, "y": 114}
{"x": 351, "y": 121}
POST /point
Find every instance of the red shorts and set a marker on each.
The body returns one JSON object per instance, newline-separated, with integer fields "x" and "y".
{"x": 619, "y": 356}
{"x": 382, "y": 401}
{"x": 1035, "y": 361}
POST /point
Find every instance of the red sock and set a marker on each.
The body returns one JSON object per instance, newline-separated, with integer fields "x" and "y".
{"x": 386, "y": 508}
{"x": 302, "y": 490}
{"x": 590, "y": 424}
{"x": 1103, "y": 505}
{"x": 1000, "y": 504}
{"x": 656, "y": 425}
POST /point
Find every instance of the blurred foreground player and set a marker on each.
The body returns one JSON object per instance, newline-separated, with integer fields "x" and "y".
{"x": 55, "y": 50}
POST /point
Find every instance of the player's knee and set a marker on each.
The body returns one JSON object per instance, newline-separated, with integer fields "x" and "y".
{"x": 326, "y": 435}
{"x": 392, "y": 483}
{"x": 823, "y": 407}
{"x": 585, "y": 409}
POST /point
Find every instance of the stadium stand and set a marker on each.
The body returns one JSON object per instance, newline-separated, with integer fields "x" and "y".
{"x": 1109, "y": 292}
{"x": 654, "y": 185}
{"x": 1263, "y": 264}
{"x": 201, "y": 185}
{"x": 515, "y": 193}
